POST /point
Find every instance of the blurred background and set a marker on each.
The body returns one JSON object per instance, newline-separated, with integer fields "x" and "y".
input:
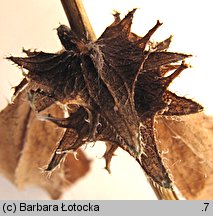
{"x": 32, "y": 23}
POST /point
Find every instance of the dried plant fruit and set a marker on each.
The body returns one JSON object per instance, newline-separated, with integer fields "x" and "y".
{"x": 112, "y": 88}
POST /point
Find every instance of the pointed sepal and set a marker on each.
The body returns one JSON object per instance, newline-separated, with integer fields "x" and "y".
{"x": 151, "y": 160}
{"x": 179, "y": 105}
{"x": 164, "y": 45}
{"x": 109, "y": 153}
{"x": 157, "y": 59}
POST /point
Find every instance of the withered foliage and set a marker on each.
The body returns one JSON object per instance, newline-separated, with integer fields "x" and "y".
{"x": 27, "y": 144}
{"x": 187, "y": 148}
{"x": 112, "y": 89}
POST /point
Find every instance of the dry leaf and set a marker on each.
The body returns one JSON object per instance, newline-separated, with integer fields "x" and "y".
{"x": 27, "y": 145}
{"x": 187, "y": 143}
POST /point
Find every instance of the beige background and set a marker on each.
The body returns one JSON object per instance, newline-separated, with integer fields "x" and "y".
{"x": 31, "y": 23}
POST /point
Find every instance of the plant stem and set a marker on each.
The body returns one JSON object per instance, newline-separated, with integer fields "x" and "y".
{"x": 78, "y": 19}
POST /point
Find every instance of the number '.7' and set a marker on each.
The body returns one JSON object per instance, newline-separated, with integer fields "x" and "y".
{"x": 207, "y": 204}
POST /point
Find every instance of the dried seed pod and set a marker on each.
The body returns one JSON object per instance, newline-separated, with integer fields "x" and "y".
{"x": 118, "y": 83}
